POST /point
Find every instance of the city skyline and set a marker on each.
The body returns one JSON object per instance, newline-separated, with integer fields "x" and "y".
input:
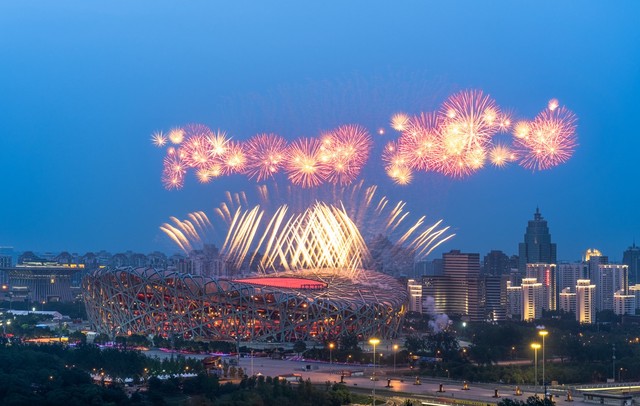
{"x": 80, "y": 101}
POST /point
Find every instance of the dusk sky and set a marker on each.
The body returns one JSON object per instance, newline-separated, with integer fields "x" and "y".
{"x": 83, "y": 85}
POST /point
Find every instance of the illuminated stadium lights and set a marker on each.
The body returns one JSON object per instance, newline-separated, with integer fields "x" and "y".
{"x": 147, "y": 301}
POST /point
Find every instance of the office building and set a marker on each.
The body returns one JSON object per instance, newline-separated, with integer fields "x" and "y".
{"x": 631, "y": 258}
{"x": 537, "y": 246}
{"x": 496, "y": 263}
{"x": 459, "y": 290}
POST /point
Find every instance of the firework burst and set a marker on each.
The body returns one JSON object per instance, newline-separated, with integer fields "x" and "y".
{"x": 234, "y": 159}
{"x": 176, "y": 135}
{"x": 173, "y": 172}
{"x": 304, "y": 166}
{"x": 500, "y": 155}
{"x": 344, "y": 152}
{"x": 420, "y": 141}
{"x": 455, "y": 141}
{"x": 551, "y": 140}
{"x": 159, "y": 139}
{"x": 332, "y": 234}
{"x": 399, "y": 121}
{"x": 265, "y": 156}
{"x": 196, "y": 151}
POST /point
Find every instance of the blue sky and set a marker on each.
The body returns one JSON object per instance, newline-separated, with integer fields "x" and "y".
{"x": 84, "y": 84}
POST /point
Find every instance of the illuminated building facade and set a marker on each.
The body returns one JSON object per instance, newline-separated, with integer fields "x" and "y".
{"x": 300, "y": 305}
{"x": 494, "y": 297}
{"x": 585, "y": 302}
{"x": 546, "y": 275}
{"x": 514, "y": 301}
{"x": 415, "y": 296}
{"x": 609, "y": 279}
{"x": 624, "y": 304}
{"x": 459, "y": 291}
{"x": 42, "y": 282}
{"x": 567, "y": 301}
{"x": 532, "y": 299}
{"x": 635, "y": 290}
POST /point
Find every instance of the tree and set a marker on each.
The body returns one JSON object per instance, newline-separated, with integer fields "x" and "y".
{"x": 299, "y": 347}
{"x": 101, "y": 338}
{"x": 531, "y": 401}
{"x": 78, "y": 337}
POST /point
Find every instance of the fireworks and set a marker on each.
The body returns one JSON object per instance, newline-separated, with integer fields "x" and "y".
{"x": 158, "y": 139}
{"x": 500, "y": 155}
{"x": 304, "y": 166}
{"x": 399, "y": 121}
{"x": 456, "y": 140}
{"x": 551, "y": 139}
{"x": 265, "y": 156}
{"x": 174, "y": 171}
{"x": 327, "y": 235}
{"x": 344, "y": 153}
{"x": 176, "y": 135}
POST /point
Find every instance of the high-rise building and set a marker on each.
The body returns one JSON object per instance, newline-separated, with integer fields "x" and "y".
{"x": 6, "y": 257}
{"x": 624, "y": 304}
{"x": 514, "y": 301}
{"x": 609, "y": 279}
{"x": 207, "y": 262}
{"x": 631, "y": 258}
{"x": 567, "y": 301}
{"x": 585, "y": 303}
{"x": 494, "y": 299}
{"x": 415, "y": 295}
{"x": 532, "y": 299}
{"x": 496, "y": 263}
{"x": 537, "y": 246}
{"x": 569, "y": 273}
{"x": 459, "y": 290}
{"x": 546, "y": 275}
{"x": 635, "y": 290}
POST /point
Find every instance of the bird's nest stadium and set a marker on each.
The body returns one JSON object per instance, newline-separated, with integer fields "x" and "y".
{"x": 314, "y": 281}
{"x": 285, "y": 307}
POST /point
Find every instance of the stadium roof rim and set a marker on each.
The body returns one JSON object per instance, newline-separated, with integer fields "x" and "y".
{"x": 285, "y": 282}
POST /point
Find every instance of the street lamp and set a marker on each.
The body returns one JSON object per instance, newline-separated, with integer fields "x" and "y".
{"x": 374, "y": 342}
{"x": 543, "y": 333}
{"x": 395, "y": 350}
{"x": 535, "y": 347}
{"x": 331, "y": 345}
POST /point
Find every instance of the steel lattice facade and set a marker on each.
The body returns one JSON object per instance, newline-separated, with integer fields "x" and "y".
{"x": 151, "y": 302}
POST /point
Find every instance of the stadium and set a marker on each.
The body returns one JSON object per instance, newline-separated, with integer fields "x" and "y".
{"x": 287, "y": 307}
{"x": 289, "y": 276}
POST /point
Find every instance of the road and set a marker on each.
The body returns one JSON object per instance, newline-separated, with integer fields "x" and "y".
{"x": 428, "y": 388}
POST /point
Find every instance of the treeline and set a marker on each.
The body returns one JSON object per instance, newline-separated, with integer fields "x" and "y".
{"x": 258, "y": 391}
{"x": 86, "y": 375}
